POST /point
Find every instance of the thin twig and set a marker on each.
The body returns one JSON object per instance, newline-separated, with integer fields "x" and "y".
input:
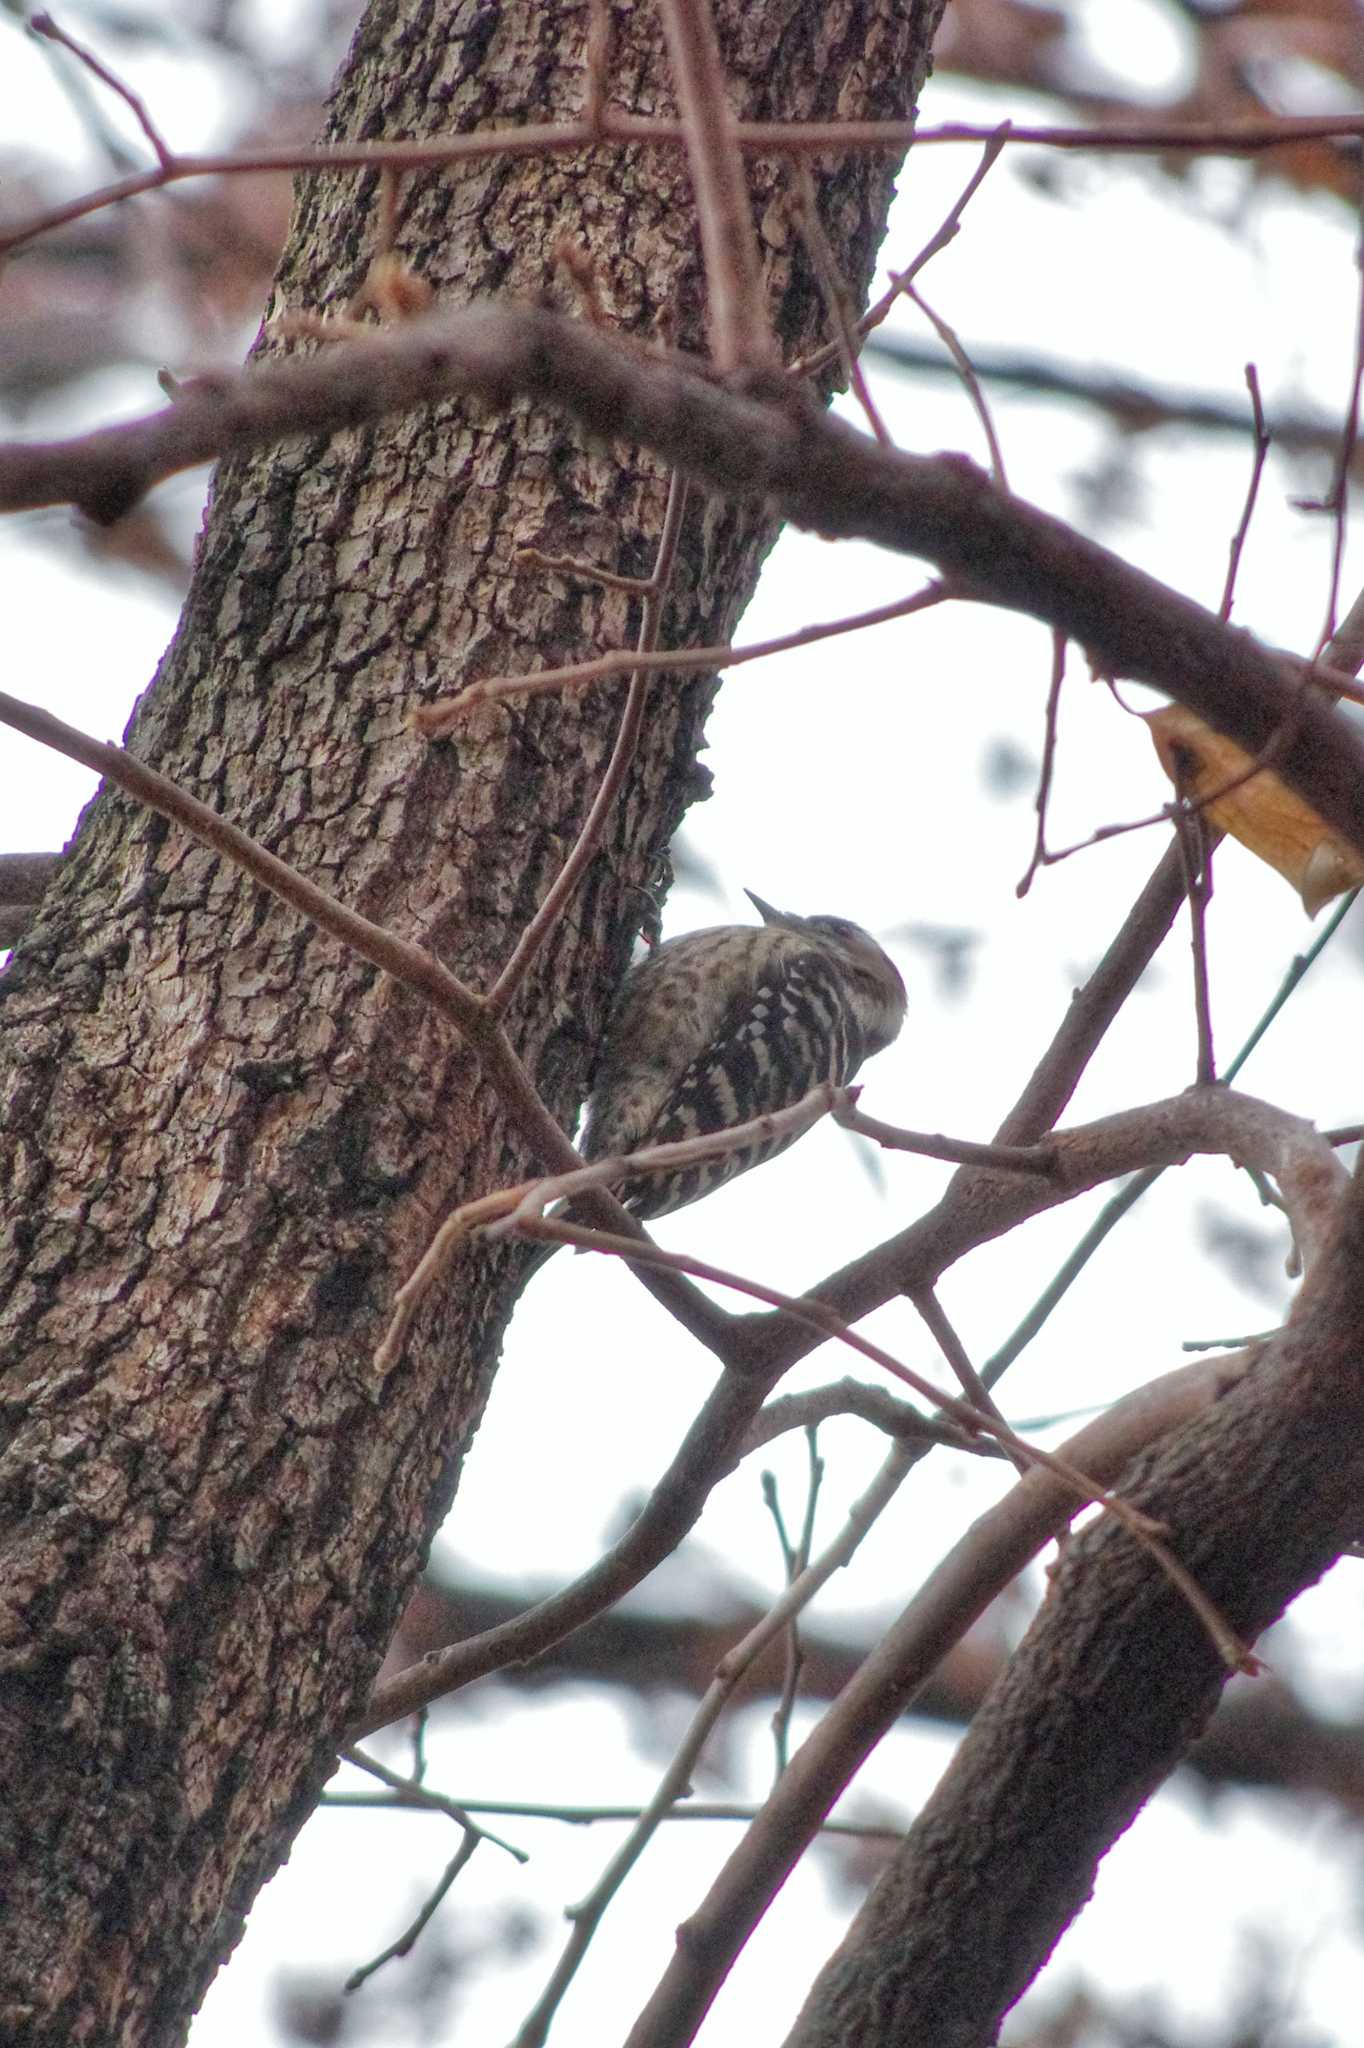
{"x": 834, "y": 291}
{"x": 587, "y": 1915}
{"x": 412, "y": 1792}
{"x": 1339, "y": 497}
{"x": 1345, "y": 655}
{"x": 1257, "y": 465}
{"x": 506, "y": 1211}
{"x": 588, "y": 1816}
{"x": 1141, "y": 1183}
{"x": 44, "y": 25}
{"x": 1233, "y": 1653}
{"x": 571, "y": 873}
{"x": 1049, "y": 725}
{"x": 409, "y": 964}
{"x": 1196, "y": 855}
{"x": 1296, "y": 969}
{"x": 736, "y": 310}
{"x": 957, "y": 1356}
{"x": 1133, "y": 408}
{"x": 807, "y": 366}
{"x": 503, "y": 1213}
{"x": 1187, "y": 804}
{"x": 408, "y": 1939}
{"x": 409, "y": 1792}
{"x": 576, "y": 565}
{"x": 933, "y": 1145}
{"x": 947, "y": 335}
{"x": 438, "y": 720}
{"x": 1061, "y": 1282}
{"x": 997, "y": 1547}
{"x": 763, "y": 138}
{"x": 597, "y": 65}
{"x": 796, "y": 1559}
{"x": 884, "y": 1410}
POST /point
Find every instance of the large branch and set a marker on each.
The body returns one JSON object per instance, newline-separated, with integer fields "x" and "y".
{"x": 976, "y": 1569}
{"x": 815, "y": 470}
{"x": 1111, "y": 1685}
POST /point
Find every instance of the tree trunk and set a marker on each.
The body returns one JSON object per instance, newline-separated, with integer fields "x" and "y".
{"x": 229, "y": 1140}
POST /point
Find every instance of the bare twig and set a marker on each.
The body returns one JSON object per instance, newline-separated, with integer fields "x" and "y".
{"x": 1195, "y": 852}
{"x": 438, "y": 720}
{"x": 586, "y": 1916}
{"x": 44, "y": 25}
{"x": 412, "y": 1792}
{"x": 1339, "y": 496}
{"x": 885, "y": 1411}
{"x": 409, "y": 1792}
{"x": 1043, "y": 797}
{"x": 996, "y": 1548}
{"x": 597, "y": 65}
{"x": 408, "y": 1939}
{"x": 508, "y": 1210}
{"x": 1133, "y": 407}
{"x": 588, "y": 1816}
{"x": 764, "y": 138}
{"x": 957, "y": 1356}
{"x": 407, "y": 963}
{"x": 837, "y": 298}
{"x": 1142, "y": 1182}
{"x": 932, "y": 1145}
{"x": 1057, "y": 1288}
{"x": 740, "y": 332}
{"x": 1190, "y": 804}
{"x": 947, "y": 335}
{"x": 901, "y": 279}
{"x": 1297, "y": 968}
{"x": 1345, "y": 655}
{"x": 1238, "y": 539}
{"x": 576, "y": 565}
{"x": 795, "y": 1558}
{"x": 566, "y": 881}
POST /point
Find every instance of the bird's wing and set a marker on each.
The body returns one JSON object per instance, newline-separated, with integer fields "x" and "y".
{"x": 773, "y": 1038}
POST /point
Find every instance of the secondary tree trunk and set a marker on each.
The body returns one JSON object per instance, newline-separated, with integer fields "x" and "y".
{"x": 226, "y": 1139}
{"x": 1110, "y": 1686}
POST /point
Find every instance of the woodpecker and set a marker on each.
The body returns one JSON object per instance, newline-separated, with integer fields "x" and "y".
{"x": 730, "y": 1023}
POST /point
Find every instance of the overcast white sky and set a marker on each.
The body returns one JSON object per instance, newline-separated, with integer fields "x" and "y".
{"x": 852, "y": 777}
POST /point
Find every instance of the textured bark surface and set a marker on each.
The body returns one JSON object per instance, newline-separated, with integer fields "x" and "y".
{"x": 226, "y": 1141}
{"x": 1110, "y": 1686}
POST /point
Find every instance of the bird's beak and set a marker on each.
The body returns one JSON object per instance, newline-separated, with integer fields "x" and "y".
{"x": 765, "y": 910}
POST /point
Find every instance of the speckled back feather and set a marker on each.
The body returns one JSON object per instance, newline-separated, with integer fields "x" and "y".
{"x": 725, "y": 1024}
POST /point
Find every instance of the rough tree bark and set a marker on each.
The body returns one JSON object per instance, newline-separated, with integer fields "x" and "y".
{"x": 227, "y": 1140}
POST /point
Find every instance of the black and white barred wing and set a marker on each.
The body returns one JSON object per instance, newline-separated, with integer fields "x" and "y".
{"x": 771, "y": 1042}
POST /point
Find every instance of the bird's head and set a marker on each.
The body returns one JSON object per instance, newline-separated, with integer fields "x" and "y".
{"x": 875, "y": 987}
